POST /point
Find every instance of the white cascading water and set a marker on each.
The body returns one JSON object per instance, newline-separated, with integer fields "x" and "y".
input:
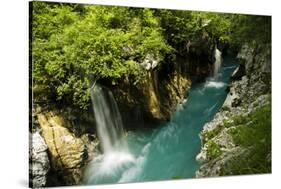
{"x": 116, "y": 156}
{"x": 218, "y": 61}
{"x": 213, "y": 82}
{"x": 108, "y": 120}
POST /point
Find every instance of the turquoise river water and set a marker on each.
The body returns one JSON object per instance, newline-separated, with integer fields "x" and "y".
{"x": 168, "y": 151}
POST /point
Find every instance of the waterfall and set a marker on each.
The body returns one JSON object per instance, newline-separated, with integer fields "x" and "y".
{"x": 108, "y": 120}
{"x": 213, "y": 82}
{"x": 107, "y": 167}
{"x": 218, "y": 61}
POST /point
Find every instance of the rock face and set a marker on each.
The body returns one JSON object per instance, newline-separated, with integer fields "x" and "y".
{"x": 165, "y": 84}
{"x": 200, "y": 57}
{"x": 247, "y": 92}
{"x": 68, "y": 153}
{"x": 155, "y": 99}
{"x": 39, "y": 162}
{"x": 173, "y": 92}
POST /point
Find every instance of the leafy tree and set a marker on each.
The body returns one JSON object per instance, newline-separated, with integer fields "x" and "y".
{"x": 105, "y": 42}
{"x": 73, "y": 45}
{"x": 249, "y": 28}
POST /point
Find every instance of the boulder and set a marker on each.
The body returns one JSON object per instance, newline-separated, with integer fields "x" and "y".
{"x": 67, "y": 152}
{"x": 39, "y": 161}
{"x": 150, "y": 62}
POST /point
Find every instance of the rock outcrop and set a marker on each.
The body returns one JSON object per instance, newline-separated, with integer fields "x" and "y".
{"x": 165, "y": 83}
{"x": 200, "y": 57}
{"x": 155, "y": 98}
{"x": 249, "y": 91}
{"x": 39, "y": 164}
{"x": 68, "y": 153}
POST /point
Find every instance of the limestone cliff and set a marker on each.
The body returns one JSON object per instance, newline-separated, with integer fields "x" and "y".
{"x": 226, "y": 139}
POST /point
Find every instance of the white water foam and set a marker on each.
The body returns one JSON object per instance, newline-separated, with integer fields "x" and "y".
{"x": 116, "y": 160}
{"x": 134, "y": 171}
{"x": 214, "y": 84}
{"x": 108, "y": 166}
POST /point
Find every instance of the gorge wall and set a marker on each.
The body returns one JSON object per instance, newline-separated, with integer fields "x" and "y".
{"x": 165, "y": 84}
{"x": 238, "y": 139}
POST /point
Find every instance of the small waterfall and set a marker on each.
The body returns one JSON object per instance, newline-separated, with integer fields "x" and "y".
{"x": 108, "y": 120}
{"x": 218, "y": 61}
{"x": 107, "y": 167}
{"x": 213, "y": 82}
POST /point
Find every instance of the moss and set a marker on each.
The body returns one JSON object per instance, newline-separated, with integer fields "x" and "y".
{"x": 255, "y": 128}
{"x": 237, "y": 120}
{"x": 254, "y": 134}
{"x": 213, "y": 150}
{"x": 211, "y": 134}
{"x": 228, "y": 123}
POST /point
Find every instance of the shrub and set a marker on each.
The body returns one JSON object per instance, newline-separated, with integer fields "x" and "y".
{"x": 213, "y": 150}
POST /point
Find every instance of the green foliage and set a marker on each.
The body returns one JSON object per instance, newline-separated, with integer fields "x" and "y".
{"x": 228, "y": 123}
{"x": 183, "y": 26}
{"x": 254, "y": 129}
{"x": 215, "y": 24}
{"x": 73, "y": 45}
{"x": 212, "y": 133}
{"x": 254, "y": 134}
{"x": 175, "y": 25}
{"x": 70, "y": 48}
{"x": 246, "y": 29}
{"x": 213, "y": 150}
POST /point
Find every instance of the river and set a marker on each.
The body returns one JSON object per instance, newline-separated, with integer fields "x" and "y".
{"x": 168, "y": 151}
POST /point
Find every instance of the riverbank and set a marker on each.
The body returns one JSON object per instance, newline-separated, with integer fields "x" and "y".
{"x": 238, "y": 140}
